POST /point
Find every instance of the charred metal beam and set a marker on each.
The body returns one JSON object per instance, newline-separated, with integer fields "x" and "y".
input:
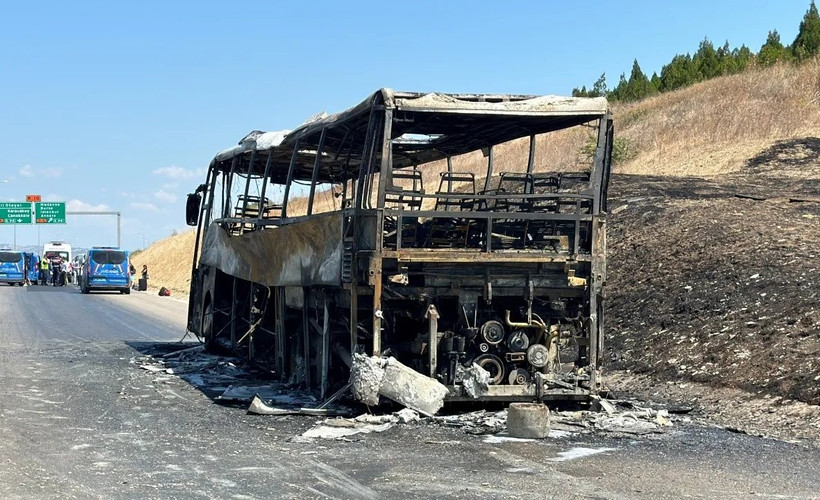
{"x": 316, "y": 164}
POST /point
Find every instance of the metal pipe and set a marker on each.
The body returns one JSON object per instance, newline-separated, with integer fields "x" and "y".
{"x": 432, "y": 341}
{"x": 541, "y": 326}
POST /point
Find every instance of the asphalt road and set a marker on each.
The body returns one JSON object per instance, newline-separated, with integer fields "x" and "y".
{"x": 78, "y": 419}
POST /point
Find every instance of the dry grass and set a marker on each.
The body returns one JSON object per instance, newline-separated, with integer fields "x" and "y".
{"x": 169, "y": 262}
{"x": 715, "y": 126}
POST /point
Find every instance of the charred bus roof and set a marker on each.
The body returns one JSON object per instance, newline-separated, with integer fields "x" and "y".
{"x": 425, "y": 127}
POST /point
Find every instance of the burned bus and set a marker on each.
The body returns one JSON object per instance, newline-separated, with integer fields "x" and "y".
{"x": 393, "y": 229}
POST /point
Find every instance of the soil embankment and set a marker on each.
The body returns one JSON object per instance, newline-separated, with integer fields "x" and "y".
{"x": 718, "y": 280}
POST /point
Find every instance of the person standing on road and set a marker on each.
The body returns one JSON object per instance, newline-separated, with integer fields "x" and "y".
{"x": 44, "y": 272}
{"x": 63, "y": 272}
{"x": 145, "y": 275}
{"x": 55, "y": 271}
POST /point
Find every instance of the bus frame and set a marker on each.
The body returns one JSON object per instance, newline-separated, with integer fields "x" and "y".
{"x": 509, "y": 277}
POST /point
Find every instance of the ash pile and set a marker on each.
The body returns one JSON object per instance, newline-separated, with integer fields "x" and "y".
{"x": 231, "y": 381}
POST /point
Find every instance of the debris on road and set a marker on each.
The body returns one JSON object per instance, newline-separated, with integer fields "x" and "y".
{"x": 625, "y": 418}
{"x": 528, "y": 420}
{"x": 476, "y": 422}
{"x": 371, "y": 377}
{"x": 230, "y": 381}
{"x": 339, "y": 428}
{"x": 578, "y": 452}
{"x": 475, "y": 380}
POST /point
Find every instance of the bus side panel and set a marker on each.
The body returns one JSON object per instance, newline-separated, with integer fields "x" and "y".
{"x": 304, "y": 253}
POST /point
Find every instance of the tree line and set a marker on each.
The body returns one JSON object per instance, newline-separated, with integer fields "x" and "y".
{"x": 710, "y": 62}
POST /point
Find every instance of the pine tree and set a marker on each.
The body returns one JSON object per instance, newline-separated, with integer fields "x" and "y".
{"x": 656, "y": 82}
{"x": 638, "y": 86}
{"x": 706, "y": 60}
{"x": 741, "y": 59}
{"x": 724, "y": 57}
{"x": 807, "y": 43}
{"x": 618, "y": 93}
{"x": 680, "y": 72}
{"x": 771, "y": 51}
{"x": 599, "y": 87}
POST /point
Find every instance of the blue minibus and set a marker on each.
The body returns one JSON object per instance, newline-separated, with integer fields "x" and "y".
{"x": 106, "y": 268}
{"x": 12, "y": 267}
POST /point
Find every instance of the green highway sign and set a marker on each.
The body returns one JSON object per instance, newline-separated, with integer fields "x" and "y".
{"x": 49, "y": 212}
{"x": 14, "y": 212}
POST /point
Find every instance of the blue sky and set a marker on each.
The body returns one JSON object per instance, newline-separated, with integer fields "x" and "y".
{"x": 120, "y": 106}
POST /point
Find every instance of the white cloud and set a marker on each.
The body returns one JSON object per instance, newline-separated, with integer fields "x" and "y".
{"x": 81, "y": 206}
{"x": 170, "y": 186}
{"x": 163, "y": 195}
{"x": 177, "y": 173}
{"x": 50, "y": 172}
{"x": 148, "y": 207}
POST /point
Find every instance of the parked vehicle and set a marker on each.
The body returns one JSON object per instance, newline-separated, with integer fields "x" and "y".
{"x": 106, "y": 268}
{"x": 54, "y": 249}
{"x": 12, "y": 267}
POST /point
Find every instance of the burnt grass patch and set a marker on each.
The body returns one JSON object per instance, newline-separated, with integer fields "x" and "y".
{"x": 707, "y": 286}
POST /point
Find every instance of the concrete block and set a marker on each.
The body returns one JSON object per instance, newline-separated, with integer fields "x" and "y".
{"x": 528, "y": 420}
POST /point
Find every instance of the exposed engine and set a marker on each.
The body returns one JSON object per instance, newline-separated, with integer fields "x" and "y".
{"x": 511, "y": 343}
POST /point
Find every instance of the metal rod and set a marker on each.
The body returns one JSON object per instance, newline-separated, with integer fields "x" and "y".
{"x": 531, "y": 159}
{"x": 490, "y": 165}
{"x": 264, "y": 190}
{"x": 386, "y": 170}
{"x": 233, "y": 313}
{"x": 316, "y": 164}
{"x": 432, "y": 340}
{"x": 281, "y": 344}
{"x": 306, "y": 333}
{"x": 226, "y": 189}
{"x": 325, "y": 348}
{"x": 247, "y": 187}
{"x": 289, "y": 180}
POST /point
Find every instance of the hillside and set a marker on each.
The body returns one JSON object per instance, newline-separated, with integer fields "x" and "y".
{"x": 169, "y": 262}
{"x": 716, "y": 126}
{"x": 713, "y": 271}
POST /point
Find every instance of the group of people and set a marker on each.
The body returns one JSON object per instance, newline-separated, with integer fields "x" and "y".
{"x": 133, "y": 272}
{"x": 56, "y": 271}
{"x": 59, "y": 271}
